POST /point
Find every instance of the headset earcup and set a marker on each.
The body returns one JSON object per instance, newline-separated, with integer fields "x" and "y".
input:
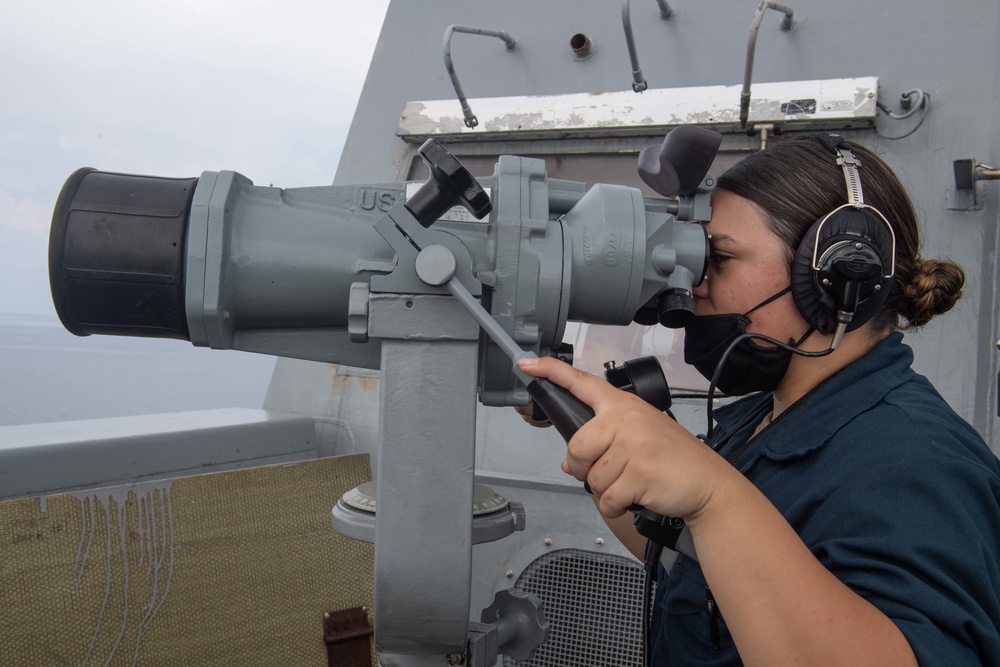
{"x": 808, "y": 297}
{"x": 817, "y": 305}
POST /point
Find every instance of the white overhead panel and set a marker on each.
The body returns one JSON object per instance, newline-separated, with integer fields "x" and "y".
{"x": 828, "y": 104}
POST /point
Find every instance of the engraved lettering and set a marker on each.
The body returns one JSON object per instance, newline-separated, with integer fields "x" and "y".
{"x": 611, "y": 249}
{"x": 386, "y": 200}
{"x": 368, "y": 199}
{"x": 588, "y": 244}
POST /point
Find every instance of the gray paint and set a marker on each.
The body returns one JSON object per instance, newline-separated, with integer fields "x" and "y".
{"x": 284, "y": 272}
{"x": 901, "y": 43}
{"x": 423, "y": 527}
{"x": 271, "y": 270}
{"x": 123, "y": 450}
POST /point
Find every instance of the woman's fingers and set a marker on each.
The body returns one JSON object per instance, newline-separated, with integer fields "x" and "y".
{"x": 590, "y": 389}
{"x": 527, "y": 413}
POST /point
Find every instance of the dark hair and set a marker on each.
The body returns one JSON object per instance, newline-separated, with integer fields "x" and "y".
{"x": 797, "y": 181}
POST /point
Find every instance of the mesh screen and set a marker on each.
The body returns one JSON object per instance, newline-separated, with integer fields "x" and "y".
{"x": 229, "y": 569}
{"x": 593, "y": 606}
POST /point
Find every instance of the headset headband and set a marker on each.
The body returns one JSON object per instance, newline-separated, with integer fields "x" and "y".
{"x": 855, "y": 195}
{"x": 850, "y": 164}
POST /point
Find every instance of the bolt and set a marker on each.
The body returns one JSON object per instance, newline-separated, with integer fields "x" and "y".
{"x": 878, "y": 287}
{"x": 826, "y": 281}
{"x": 509, "y": 573}
{"x": 600, "y": 541}
{"x": 456, "y": 659}
{"x": 858, "y": 246}
{"x": 548, "y": 541}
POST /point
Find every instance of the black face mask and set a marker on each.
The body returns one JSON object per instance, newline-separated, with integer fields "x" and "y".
{"x": 748, "y": 367}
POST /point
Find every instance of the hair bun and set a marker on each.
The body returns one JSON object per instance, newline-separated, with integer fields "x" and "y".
{"x": 934, "y": 288}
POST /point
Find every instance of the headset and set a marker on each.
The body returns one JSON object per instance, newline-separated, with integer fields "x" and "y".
{"x": 843, "y": 268}
{"x": 842, "y": 271}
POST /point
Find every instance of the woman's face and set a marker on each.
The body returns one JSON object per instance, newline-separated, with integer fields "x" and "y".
{"x": 748, "y": 264}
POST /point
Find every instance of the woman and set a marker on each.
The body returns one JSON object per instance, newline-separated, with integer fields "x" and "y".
{"x": 849, "y": 516}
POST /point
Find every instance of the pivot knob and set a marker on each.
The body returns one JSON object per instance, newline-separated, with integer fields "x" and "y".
{"x": 520, "y": 623}
{"x": 450, "y": 184}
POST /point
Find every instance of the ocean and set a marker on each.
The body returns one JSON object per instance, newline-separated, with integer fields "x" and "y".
{"x": 47, "y": 374}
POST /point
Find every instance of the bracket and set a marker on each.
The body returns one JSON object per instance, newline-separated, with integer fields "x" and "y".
{"x": 965, "y": 194}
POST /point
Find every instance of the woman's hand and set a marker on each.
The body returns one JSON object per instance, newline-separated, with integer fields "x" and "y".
{"x": 632, "y": 453}
{"x": 527, "y": 414}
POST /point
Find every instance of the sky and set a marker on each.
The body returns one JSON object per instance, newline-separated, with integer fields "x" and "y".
{"x": 166, "y": 88}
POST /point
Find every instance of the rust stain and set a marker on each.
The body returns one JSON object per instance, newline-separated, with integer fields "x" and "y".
{"x": 341, "y": 382}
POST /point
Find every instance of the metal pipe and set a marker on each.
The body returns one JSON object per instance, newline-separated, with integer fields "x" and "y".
{"x": 581, "y": 46}
{"x": 906, "y": 101}
{"x": 470, "y": 118}
{"x": 762, "y": 130}
{"x": 638, "y": 82}
{"x": 786, "y": 25}
{"x": 666, "y": 13}
{"x": 984, "y": 172}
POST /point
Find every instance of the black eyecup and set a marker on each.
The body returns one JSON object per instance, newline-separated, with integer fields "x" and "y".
{"x": 117, "y": 254}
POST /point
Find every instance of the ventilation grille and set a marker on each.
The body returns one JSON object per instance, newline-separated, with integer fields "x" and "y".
{"x": 593, "y": 606}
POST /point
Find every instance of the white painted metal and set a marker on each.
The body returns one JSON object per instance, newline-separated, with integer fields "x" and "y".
{"x": 818, "y": 104}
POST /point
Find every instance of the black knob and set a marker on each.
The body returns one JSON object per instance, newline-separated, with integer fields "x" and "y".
{"x": 643, "y": 377}
{"x": 676, "y": 308}
{"x": 450, "y": 184}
